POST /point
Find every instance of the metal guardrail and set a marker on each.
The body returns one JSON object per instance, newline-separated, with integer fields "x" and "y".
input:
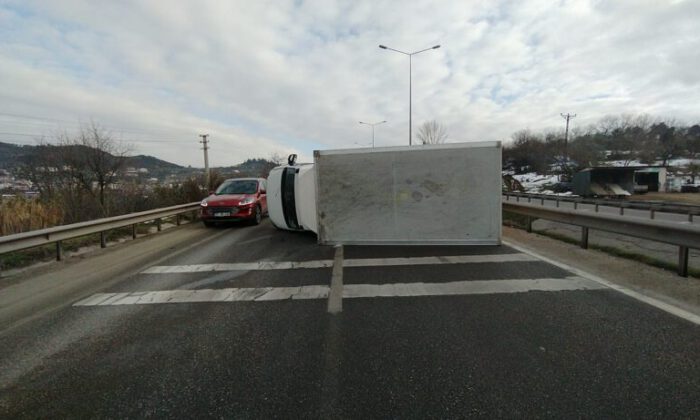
{"x": 31, "y": 239}
{"x": 651, "y": 206}
{"x": 684, "y": 236}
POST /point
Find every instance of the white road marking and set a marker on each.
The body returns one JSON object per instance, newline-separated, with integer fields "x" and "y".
{"x": 358, "y": 262}
{"x": 335, "y": 298}
{"x": 448, "y": 259}
{"x": 97, "y": 299}
{"x": 673, "y": 310}
{"x": 260, "y": 265}
{"x": 207, "y": 295}
{"x": 258, "y": 294}
{"x": 474, "y": 287}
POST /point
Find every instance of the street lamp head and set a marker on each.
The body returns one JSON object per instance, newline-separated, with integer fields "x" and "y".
{"x": 436, "y": 47}
{"x": 382, "y": 47}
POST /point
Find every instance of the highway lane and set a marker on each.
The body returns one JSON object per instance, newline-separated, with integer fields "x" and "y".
{"x": 423, "y": 332}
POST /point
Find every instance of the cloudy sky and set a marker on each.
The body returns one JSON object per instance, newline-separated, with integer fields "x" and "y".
{"x": 293, "y": 76}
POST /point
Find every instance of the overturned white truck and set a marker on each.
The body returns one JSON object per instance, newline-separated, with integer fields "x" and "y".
{"x": 431, "y": 194}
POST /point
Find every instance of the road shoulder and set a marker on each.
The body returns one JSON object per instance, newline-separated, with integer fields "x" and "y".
{"x": 36, "y": 292}
{"x": 650, "y": 281}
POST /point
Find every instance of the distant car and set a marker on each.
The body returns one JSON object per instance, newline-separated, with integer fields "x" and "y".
{"x": 238, "y": 199}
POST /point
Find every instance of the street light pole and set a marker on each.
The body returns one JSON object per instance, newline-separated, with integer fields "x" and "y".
{"x": 410, "y": 99}
{"x": 410, "y": 85}
{"x": 372, "y": 124}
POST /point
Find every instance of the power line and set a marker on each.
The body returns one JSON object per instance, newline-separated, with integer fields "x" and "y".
{"x": 37, "y": 135}
{"x": 33, "y": 117}
{"x": 20, "y": 134}
{"x": 48, "y": 120}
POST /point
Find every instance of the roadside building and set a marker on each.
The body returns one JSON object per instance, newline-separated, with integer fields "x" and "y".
{"x": 619, "y": 180}
{"x": 651, "y": 179}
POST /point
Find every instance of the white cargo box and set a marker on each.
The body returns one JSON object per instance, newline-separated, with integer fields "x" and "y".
{"x": 431, "y": 194}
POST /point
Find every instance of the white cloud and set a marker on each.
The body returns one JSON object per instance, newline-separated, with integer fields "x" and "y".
{"x": 291, "y": 76}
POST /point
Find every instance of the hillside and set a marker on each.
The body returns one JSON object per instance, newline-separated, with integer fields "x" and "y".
{"x": 150, "y": 163}
{"x": 12, "y": 156}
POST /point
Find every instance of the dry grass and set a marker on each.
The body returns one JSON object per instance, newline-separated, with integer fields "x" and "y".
{"x": 21, "y": 215}
{"x": 646, "y": 259}
{"x": 687, "y": 198}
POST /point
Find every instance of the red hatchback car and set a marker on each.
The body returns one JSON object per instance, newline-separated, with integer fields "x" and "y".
{"x": 235, "y": 200}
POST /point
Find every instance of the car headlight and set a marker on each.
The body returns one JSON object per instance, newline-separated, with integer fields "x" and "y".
{"x": 246, "y": 201}
{"x": 204, "y": 203}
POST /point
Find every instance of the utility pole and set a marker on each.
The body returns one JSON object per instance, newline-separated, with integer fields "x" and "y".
{"x": 567, "y": 117}
{"x": 205, "y": 147}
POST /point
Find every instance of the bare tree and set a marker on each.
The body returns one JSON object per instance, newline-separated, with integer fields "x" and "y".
{"x": 277, "y": 158}
{"x": 692, "y": 140}
{"x": 216, "y": 178}
{"x": 693, "y": 169}
{"x": 666, "y": 141}
{"x": 528, "y": 152}
{"x": 94, "y": 160}
{"x": 432, "y": 132}
{"x": 42, "y": 169}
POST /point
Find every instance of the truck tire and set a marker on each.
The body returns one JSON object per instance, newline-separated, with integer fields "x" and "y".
{"x": 208, "y": 224}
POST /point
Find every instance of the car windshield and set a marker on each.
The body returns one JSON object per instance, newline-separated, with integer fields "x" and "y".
{"x": 237, "y": 187}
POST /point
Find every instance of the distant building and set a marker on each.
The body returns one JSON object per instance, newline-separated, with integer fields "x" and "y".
{"x": 134, "y": 172}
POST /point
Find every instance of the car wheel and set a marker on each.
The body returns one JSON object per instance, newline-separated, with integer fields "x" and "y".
{"x": 208, "y": 224}
{"x": 258, "y": 216}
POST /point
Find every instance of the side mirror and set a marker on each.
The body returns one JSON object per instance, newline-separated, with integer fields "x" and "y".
{"x": 263, "y": 192}
{"x": 211, "y": 192}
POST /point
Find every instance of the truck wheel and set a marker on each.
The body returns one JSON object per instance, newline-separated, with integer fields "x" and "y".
{"x": 208, "y": 224}
{"x": 258, "y": 216}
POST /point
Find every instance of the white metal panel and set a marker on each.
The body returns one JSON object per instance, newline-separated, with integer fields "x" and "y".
{"x": 434, "y": 194}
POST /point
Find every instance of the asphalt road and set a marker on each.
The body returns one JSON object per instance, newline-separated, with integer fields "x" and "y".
{"x": 238, "y": 326}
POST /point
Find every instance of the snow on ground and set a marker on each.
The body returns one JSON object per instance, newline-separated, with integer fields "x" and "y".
{"x": 543, "y": 184}
{"x": 537, "y": 183}
{"x": 621, "y": 163}
{"x": 561, "y": 194}
{"x": 677, "y": 163}
{"x": 680, "y": 162}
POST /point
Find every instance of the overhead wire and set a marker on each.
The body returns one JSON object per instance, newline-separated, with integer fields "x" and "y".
{"x": 78, "y": 124}
{"x": 47, "y": 120}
